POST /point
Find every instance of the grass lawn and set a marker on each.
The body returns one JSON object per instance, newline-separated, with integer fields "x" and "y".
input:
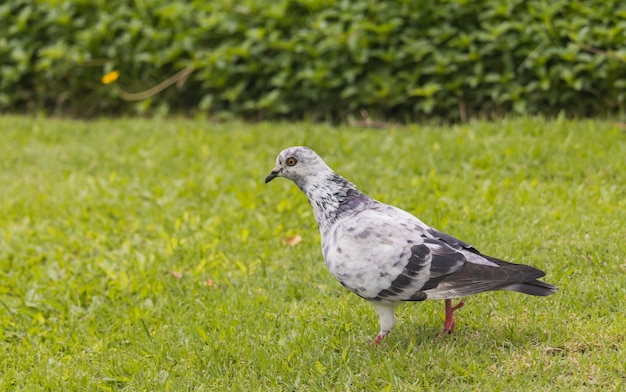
{"x": 149, "y": 255}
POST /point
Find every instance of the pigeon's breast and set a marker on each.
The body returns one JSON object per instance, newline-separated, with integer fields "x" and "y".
{"x": 366, "y": 252}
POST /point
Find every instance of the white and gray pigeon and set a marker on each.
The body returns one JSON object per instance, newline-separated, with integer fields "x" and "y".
{"x": 386, "y": 255}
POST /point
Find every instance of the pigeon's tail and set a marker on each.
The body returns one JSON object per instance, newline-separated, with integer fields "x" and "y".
{"x": 475, "y": 278}
{"x": 530, "y": 285}
{"x": 533, "y": 287}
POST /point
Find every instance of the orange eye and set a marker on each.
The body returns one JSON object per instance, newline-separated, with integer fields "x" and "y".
{"x": 291, "y": 161}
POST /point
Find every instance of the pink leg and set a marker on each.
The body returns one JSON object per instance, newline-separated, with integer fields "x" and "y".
{"x": 450, "y": 322}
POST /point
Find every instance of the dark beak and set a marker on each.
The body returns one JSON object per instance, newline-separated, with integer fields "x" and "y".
{"x": 272, "y": 175}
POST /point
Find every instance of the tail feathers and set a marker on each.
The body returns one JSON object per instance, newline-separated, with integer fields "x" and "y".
{"x": 533, "y": 287}
{"x": 475, "y": 278}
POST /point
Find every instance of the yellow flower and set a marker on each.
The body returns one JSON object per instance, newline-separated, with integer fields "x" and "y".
{"x": 110, "y": 77}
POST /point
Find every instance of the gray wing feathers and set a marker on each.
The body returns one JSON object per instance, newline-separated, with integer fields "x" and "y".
{"x": 452, "y": 275}
{"x": 477, "y": 278}
{"x": 444, "y": 261}
{"x": 450, "y": 240}
{"x": 401, "y": 286}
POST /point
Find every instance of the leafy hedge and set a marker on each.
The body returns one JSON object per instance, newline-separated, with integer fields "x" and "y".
{"x": 405, "y": 60}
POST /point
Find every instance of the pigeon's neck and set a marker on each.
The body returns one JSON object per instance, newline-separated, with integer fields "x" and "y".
{"x": 328, "y": 194}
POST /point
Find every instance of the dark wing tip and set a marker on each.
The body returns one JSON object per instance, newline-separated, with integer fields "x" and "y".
{"x": 533, "y": 287}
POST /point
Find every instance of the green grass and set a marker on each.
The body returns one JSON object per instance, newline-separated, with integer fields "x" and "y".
{"x": 99, "y": 218}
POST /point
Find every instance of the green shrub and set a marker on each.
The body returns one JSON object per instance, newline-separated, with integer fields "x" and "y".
{"x": 405, "y": 60}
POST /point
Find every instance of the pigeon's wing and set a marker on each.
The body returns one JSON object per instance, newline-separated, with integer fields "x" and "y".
{"x": 450, "y": 240}
{"x": 484, "y": 273}
{"x": 385, "y": 254}
{"x": 474, "y": 277}
{"x": 445, "y": 260}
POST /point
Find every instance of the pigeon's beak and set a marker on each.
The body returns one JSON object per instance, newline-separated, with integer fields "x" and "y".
{"x": 272, "y": 175}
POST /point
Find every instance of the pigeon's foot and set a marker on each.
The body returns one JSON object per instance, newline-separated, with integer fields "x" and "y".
{"x": 379, "y": 338}
{"x": 387, "y": 320}
{"x": 449, "y": 323}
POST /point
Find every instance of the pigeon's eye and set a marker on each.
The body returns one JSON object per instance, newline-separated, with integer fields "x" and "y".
{"x": 291, "y": 161}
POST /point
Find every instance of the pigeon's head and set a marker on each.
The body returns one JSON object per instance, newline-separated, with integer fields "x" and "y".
{"x": 297, "y": 164}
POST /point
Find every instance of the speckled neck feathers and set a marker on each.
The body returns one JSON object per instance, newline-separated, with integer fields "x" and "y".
{"x": 330, "y": 196}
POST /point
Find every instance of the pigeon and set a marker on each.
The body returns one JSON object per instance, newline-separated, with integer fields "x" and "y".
{"x": 388, "y": 256}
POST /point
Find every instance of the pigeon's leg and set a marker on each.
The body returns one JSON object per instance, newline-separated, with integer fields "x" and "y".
{"x": 386, "y": 312}
{"x": 449, "y": 323}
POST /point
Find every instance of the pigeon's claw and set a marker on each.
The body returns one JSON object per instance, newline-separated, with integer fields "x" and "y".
{"x": 379, "y": 338}
{"x": 450, "y": 322}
